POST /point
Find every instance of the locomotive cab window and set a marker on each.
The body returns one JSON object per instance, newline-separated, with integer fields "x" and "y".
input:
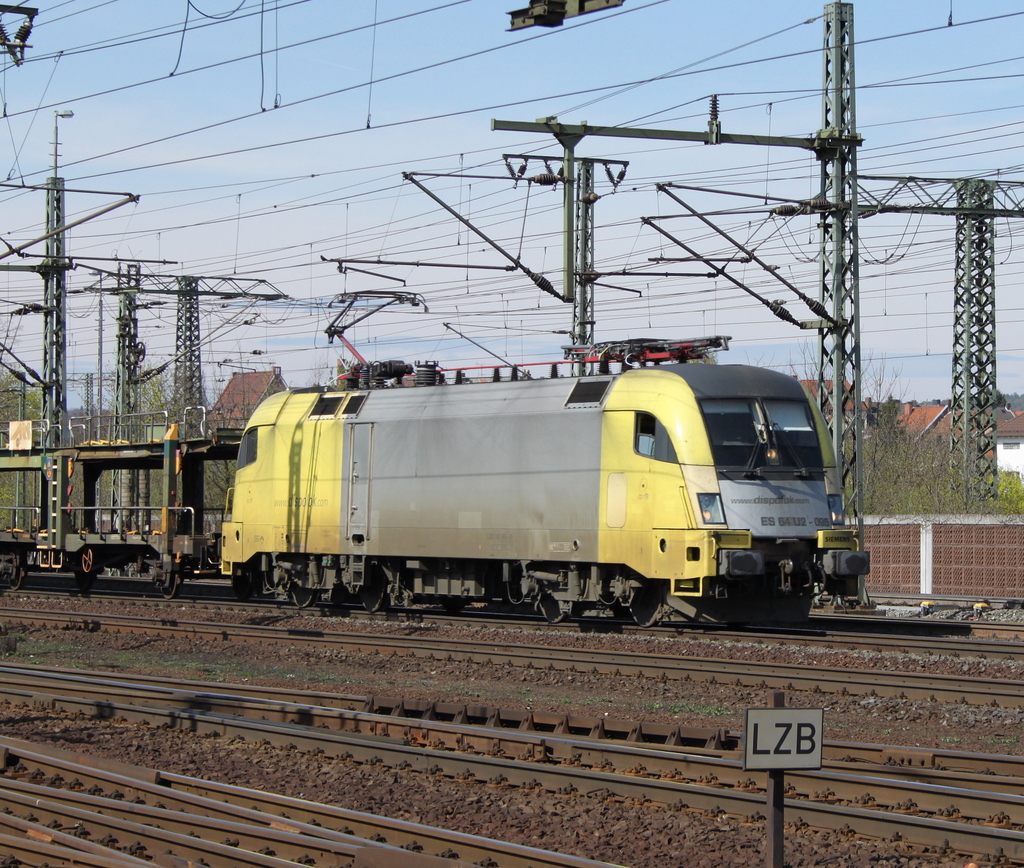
{"x": 651, "y": 439}
{"x": 732, "y": 430}
{"x": 247, "y": 448}
{"x": 750, "y": 433}
{"x": 792, "y": 429}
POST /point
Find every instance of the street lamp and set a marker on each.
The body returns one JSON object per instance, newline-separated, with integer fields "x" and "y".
{"x": 63, "y": 113}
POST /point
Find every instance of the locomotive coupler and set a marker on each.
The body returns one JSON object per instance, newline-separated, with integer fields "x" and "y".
{"x": 786, "y": 576}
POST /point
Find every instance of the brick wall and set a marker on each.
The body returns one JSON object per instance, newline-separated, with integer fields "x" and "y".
{"x": 970, "y": 555}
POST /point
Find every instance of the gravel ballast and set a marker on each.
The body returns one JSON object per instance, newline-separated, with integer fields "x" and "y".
{"x": 641, "y": 835}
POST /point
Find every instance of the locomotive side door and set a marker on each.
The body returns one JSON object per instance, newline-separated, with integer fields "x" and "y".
{"x": 360, "y": 452}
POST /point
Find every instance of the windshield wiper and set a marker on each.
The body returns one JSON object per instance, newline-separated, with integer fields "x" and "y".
{"x": 752, "y": 471}
{"x": 780, "y": 436}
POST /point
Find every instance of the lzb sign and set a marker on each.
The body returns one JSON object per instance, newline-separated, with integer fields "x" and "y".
{"x": 783, "y": 738}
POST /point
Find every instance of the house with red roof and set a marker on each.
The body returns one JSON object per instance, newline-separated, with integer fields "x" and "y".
{"x": 243, "y": 394}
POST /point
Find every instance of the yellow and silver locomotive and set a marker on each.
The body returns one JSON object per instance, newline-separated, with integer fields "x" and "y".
{"x": 687, "y": 491}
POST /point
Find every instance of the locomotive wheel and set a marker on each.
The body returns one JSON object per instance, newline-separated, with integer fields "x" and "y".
{"x": 242, "y": 582}
{"x": 453, "y": 605}
{"x": 374, "y": 593}
{"x": 514, "y": 592}
{"x": 645, "y": 606}
{"x": 303, "y": 597}
{"x": 550, "y": 608}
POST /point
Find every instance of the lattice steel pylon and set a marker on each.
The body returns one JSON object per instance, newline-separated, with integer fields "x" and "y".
{"x": 839, "y": 351}
{"x": 973, "y": 400}
{"x": 130, "y": 351}
{"x": 975, "y": 203}
{"x": 188, "y": 290}
{"x": 188, "y": 371}
{"x": 54, "y": 270}
{"x": 583, "y": 313}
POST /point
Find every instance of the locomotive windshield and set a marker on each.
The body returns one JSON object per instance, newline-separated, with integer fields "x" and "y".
{"x": 752, "y": 433}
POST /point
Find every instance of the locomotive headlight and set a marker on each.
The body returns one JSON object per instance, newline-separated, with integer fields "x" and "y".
{"x": 711, "y": 509}
{"x": 835, "y": 506}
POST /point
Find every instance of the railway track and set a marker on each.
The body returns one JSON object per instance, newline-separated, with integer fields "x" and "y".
{"x": 930, "y": 798}
{"x": 860, "y": 631}
{"x": 88, "y": 806}
{"x": 745, "y": 673}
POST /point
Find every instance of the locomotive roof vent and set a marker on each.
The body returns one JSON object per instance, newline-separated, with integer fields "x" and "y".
{"x": 354, "y": 404}
{"x": 327, "y": 406}
{"x": 588, "y": 393}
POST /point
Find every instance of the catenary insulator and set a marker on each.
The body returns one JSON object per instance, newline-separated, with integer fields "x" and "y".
{"x": 426, "y": 373}
{"x": 589, "y": 198}
{"x": 543, "y": 282}
{"x": 545, "y": 179}
{"x": 786, "y": 210}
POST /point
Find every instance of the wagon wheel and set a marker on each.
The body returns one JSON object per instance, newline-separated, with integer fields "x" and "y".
{"x": 15, "y": 570}
{"x": 85, "y": 575}
{"x": 302, "y": 596}
{"x": 170, "y": 585}
{"x": 645, "y": 605}
{"x": 84, "y": 581}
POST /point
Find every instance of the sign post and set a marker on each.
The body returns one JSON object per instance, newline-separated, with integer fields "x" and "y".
{"x": 776, "y": 739}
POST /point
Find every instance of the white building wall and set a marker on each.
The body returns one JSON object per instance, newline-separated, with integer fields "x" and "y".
{"x": 1010, "y": 454}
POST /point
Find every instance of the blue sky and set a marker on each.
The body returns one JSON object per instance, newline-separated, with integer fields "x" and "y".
{"x": 261, "y": 135}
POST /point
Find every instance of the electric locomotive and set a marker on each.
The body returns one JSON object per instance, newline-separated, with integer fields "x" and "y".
{"x": 697, "y": 492}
